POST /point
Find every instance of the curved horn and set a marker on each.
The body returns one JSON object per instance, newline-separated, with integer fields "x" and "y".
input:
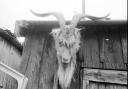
{"x": 58, "y": 15}
{"x": 97, "y": 18}
{"x": 76, "y": 18}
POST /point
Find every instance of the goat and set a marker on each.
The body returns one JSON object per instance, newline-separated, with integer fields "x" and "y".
{"x": 67, "y": 44}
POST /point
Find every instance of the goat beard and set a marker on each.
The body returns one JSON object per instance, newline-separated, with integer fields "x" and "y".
{"x": 65, "y": 74}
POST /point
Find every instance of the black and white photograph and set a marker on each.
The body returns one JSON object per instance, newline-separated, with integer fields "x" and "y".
{"x": 63, "y": 44}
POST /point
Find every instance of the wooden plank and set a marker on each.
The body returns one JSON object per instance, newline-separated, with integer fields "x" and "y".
{"x": 108, "y": 86}
{"x": 124, "y": 46}
{"x": 93, "y": 85}
{"x": 86, "y": 84}
{"x": 27, "y": 47}
{"x": 32, "y": 61}
{"x": 124, "y": 87}
{"x": 81, "y": 78}
{"x": 101, "y": 38}
{"x": 48, "y": 64}
{"x": 81, "y": 53}
{"x": 96, "y": 84}
{"x": 110, "y": 76}
{"x": 85, "y": 52}
{"x": 113, "y": 52}
{"x": 114, "y": 86}
{"x": 102, "y": 86}
{"x": 119, "y": 86}
{"x": 90, "y": 50}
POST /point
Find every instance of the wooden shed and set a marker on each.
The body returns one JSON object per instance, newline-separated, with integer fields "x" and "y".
{"x": 101, "y": 60}
{"x": 10, "y": 54}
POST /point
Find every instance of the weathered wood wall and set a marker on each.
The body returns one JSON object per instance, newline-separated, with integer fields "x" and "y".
{"x": 105, "y": 48}
{"x": 102, "y": 47}
{"x": 10, "y": 56}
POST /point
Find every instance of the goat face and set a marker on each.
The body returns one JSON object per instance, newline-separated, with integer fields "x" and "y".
{"x": 67, "y": 44}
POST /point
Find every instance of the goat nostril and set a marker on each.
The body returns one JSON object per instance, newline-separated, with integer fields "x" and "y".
{"x": 1, "y": 86}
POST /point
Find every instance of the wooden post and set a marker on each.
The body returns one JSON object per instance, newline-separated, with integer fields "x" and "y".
{"x": 83, "y": 8}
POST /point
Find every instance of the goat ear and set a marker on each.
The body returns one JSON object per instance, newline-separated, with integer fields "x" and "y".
{"x": 55, "y": 33}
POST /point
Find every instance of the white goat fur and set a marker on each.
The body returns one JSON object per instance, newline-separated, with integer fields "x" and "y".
{"x": 70, "y": 40}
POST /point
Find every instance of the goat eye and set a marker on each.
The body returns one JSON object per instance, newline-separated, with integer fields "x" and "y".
{"x": 61, "y": 43}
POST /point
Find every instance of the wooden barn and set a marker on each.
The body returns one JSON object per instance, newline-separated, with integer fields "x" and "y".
{"x": 101, "y": 60}
{"x": 10, "y": 54}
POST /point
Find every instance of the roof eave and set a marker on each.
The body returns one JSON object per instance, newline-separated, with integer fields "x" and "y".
{"x": 23, "y": 27}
